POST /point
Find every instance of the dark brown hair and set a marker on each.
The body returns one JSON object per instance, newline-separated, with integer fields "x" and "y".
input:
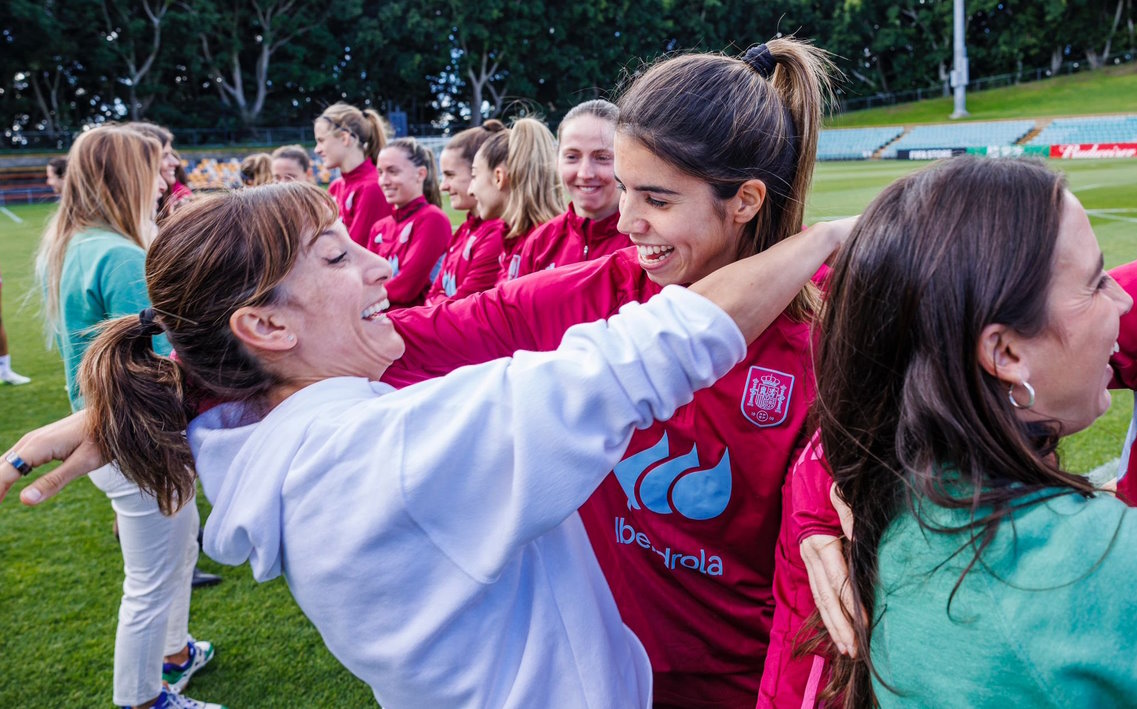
{"x": 468, "y": 141}
{"x": 727, "y": 120}
{"x": 294, "y": 152}
{"x": 907, "y": 413}
{"x": 213, "y": 256}
{"x": 422, "y": 156}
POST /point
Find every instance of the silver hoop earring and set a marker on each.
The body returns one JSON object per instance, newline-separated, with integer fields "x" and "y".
{"x": 1029, "y": 390}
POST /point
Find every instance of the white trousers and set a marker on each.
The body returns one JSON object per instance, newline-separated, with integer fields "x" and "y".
{"x": 158, "y": 554}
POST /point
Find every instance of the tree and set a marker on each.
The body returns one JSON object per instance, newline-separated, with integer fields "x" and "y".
{"x": 223, "y": 32}
{"x": 134, "y": 34}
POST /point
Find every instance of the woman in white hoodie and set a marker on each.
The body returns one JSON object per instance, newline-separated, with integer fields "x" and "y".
{"x": 429, "y": 533}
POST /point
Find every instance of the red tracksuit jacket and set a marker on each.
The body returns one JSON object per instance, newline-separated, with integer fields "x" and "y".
{"x": 568, "y": 239}
{"x": 413, "y": 239}
{"x": 685, "y": 528}
{"x": 360, "y": 201}
{"x": 470, "y": 264}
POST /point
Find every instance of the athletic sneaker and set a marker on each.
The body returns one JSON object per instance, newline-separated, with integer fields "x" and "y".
{"x": 178, "y": 676}
{"x": 172, "y": 700}
{"x": 9, "y": 377}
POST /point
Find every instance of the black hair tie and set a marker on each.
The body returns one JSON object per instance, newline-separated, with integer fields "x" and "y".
{"x": 760, "y": 60}
{"x": 149, "y": 325}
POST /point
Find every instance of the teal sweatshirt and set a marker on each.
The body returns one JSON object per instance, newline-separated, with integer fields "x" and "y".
{"x": 103, "y": 278}
{"x": 1045, "y": 620}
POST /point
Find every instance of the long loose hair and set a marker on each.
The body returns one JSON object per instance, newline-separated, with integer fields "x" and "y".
{"x": 109, "y": 184}
{"x": 907, "y": 413}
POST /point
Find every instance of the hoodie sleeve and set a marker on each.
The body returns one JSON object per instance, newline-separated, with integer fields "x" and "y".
{"x": 496, "y": 455}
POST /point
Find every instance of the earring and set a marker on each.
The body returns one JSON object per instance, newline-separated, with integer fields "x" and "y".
{"x": 292, "y": 338}
{"x": 1029, "y": 390}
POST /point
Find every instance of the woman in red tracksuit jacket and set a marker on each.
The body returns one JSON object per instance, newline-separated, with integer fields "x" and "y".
{"x": 351, "y": 139}
{"x": 414, "y": 237}
{"x": 685, "y": 528}
{"x": 470, "y": 264}
{"x": 587, "y": 229}
{"x": 515, "y": 171}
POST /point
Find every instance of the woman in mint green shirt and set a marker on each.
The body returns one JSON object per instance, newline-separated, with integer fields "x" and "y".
{"x": 91, "y": 264}
{"x": 970, "y": 327}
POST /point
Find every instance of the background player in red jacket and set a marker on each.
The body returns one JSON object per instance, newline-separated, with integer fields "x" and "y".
{"x": 470, "y": 264}
{"x": 351, "y": 139}
{"x": 517, "y": 168}
{"x": 414, "y": 237}
{"x": 587, "y": 229}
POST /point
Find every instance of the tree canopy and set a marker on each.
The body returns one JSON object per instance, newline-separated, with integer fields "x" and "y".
{"x": 240, "y": 63}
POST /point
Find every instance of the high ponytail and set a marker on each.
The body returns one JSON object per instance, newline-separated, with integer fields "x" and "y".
{"x": 137, "y": 412}
{"x": 377, "y": 135}
{"x": 422, "y": 156}
{"x": 367, "y": 127}
{"x": 531, "y": 173}
{"x": 726, "y": 120}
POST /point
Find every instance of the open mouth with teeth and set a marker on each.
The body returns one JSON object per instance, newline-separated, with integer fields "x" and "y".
{"x": 654, "y": 254}
{"x": 375, "y": 311}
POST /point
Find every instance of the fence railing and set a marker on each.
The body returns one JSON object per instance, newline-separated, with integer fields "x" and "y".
{"x": 271, "y": 137}
{"x": 845, "y": 104}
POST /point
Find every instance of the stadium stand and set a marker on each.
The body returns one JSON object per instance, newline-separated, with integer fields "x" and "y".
{"x": 23, "y": 185}
{"x": 1095, "y": 129}
{"x": 960, "y": 135}
{"x": 854, "y": 143}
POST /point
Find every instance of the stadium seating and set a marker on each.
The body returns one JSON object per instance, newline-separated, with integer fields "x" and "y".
{"x": 853, "y": 143}
{"x": 1096, "y": 129}
{"x": 961, "y": 135}
{"x": 214, "y": 174}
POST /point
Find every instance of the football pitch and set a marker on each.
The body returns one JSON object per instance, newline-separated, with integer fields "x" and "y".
{"x": 60, "y": 570}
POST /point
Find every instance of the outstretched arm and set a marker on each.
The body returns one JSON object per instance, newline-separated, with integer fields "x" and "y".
{"x": 67, "y": 440}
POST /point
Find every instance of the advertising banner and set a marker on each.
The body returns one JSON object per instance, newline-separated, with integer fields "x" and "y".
{"x": 1094, "y": 150}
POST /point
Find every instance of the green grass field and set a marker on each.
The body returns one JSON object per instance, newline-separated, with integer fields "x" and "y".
{"x": 1110, "y": 90}
{"x": 61, "y": 571}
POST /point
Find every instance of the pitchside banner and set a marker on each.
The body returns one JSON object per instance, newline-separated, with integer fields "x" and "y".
{"x": 1011, "y": 151}
{"x": 1094, "y": 150}
{"x": 929, "y": 153}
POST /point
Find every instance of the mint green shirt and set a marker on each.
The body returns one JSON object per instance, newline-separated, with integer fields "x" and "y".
{"x": 1045, "y": 620}
{"x": 103, "y": 278}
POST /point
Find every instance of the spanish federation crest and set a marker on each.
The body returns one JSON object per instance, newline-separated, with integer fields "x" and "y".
{"x": 766, "y": 397}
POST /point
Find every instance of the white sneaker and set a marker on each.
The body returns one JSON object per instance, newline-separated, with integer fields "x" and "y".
{"x": 9, "y": 377}
{"x": 178, "y": 676}
{"x": 173, "y": 700}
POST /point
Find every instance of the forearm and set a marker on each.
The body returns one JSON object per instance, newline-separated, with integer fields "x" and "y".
{"x": 755, "y": 290}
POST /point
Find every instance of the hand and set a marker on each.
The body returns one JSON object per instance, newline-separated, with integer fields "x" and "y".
{"x": 824, "y": 560}
{"x": 66, "y": 440}
{"x": 837, "y": 233}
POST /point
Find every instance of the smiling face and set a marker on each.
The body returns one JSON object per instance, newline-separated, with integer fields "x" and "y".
{"x": 333, "y": 304}
{"x": 288, "y": 170}
{"x": 682, "y": 231}
{"x": 486, "y": 188}
{"x": 585, "y": 160}
{"x": 333, "y": 146}
{"x": 169, "y": 164}
{"x": 1068, "y": 362}
{"x": 399, "y": 178}
{"x": 456, "y": 175}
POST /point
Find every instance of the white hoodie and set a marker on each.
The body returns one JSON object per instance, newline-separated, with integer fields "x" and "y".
{"x": 431, "y": 533}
